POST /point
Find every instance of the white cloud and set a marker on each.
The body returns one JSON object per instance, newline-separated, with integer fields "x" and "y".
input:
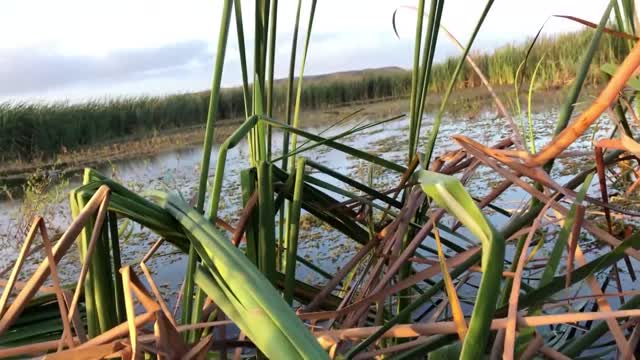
{"x": 74, "y": 42}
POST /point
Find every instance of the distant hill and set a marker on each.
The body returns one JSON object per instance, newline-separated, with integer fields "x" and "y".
{"x": 354, "y": 74}
{"x": 28, "y": 129}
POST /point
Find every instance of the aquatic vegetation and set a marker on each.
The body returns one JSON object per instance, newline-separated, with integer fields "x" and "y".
{"x": 33, "y": 130}
{"x": 432, "y": 267}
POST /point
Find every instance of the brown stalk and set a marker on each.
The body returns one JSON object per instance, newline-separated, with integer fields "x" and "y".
{"x": 510, "y": 331}
{"x": 533, "y": 347}
{"x": 41, "y": 273}
{"x": 392, "y": 349}
{"x": 18, "y": 264}
{"x": 403, "y": 223}
{"x": 237, "y": 236}
{"x": 600, "y": 167}
{"x": 571, "y": 133}
{"x": 152, "y": 250}
{"x": 352, "y": 293}
{"x": 141, "y": 292}
{"x": 553, "y": 354}
{"x": 413, "y": 244}
{"x": 567, "y": 300}
{"x": 633, "y": 186}
{"x": 62, "y": 305}
{"x": 633, "y": 343}
{"x": 30, "y": 349}
{"x": 225, "y": 225}
{"x": 517, "y": 136}
{"x": 573, "y": 241}
{"x": 178, "y": 298}
{"x": 168, "y": 341}
{"x": 603, "y": 304}
{"x": 223, "y": 336}
{"x": 452, "y": 295}
{"x": 620, "y": 34}
{"x": 21, "y": 284}
{"x": 387, "y": 242}
{"x": 596, "y": 231}
{"x": 602, "y": 181}
{"x": 401, "y": 285}
{"x": 106, "y": 338}
{"x": 415, "y": 161}
{"x": 200, "y": 349}
{"x": 156, "y": 292}
{"x": 78, "y": 324}
{"x": 339, "y": 276}
{"x": 630, "y": 110}
{"x": 130, "y": 310}
{"x": 449, "y": 327}
{"x": 238, "y": 352}
{"x": 536, "y": 174}
{"x": 119, "y": 331}
{"x": 94, "y": 352}
{"x": 443, "y": 305}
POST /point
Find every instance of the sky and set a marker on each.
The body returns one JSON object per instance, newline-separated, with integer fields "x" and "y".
{"x": 85, "y": 49}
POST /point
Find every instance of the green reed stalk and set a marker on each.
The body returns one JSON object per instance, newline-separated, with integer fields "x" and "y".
{"x": 413, "y": 131}
{"x": 576, "y": 87}
{"x": 532, "y": 139}
{"x": 266, "y": 236}
{"x": 259, "y": 68}
{"x": 296, "y": 112}
{"x": 338, "y": 146}
{"x": 438, "y": 119}
{"x": 424, "y": 77}
{"x": 243, "y": 57}
{"x": 230, "y": 143}
{"x": 289, "y": 96}
{"x": 101, "y": 295}
{"x": 187, "y": 302}
{"x": 293, "y": 225}
{"x": 116, "y": 265}
{"x": 89, "y": 296}
{"x": 213, "y": 103}
{"x": 315, "y": 143}
{"x": 271, "y": 55}
{"x": 289, "y": 110}
{"x": 427, "y": 62}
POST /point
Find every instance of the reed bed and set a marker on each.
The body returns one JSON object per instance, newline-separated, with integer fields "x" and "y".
{"x": 527, "y": 289}
{"x": 36, "y": 130}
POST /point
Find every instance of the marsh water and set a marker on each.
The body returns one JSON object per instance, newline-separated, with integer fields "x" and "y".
{"x": 178, "y": 171}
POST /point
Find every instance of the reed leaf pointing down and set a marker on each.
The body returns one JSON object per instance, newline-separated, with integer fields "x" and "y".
{"x": 450, "y": 194}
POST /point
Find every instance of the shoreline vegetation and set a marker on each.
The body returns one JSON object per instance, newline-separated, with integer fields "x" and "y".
{"x": 473, "y": 247}
{"x": 467, "y": 103}
{"x": 45, "y": 134}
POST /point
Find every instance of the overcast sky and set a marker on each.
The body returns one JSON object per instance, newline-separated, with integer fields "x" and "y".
{"x": 81, "y": 49}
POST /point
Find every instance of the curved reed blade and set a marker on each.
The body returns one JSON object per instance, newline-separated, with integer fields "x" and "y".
{"x": 456, "y": 309}
{"x": 619, "y": 34}
{"x": 448, "y": 192}
{"x": 242, "y": 291}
